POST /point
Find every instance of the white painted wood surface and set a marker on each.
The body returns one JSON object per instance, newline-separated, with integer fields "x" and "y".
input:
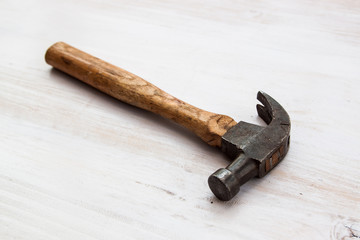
{"x": 77, "y": 164}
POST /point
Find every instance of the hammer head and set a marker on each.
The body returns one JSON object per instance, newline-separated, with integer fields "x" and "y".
{"x": 256, "y": 149}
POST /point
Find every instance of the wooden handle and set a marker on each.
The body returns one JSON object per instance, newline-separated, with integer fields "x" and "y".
{"x": 134, "y": 90}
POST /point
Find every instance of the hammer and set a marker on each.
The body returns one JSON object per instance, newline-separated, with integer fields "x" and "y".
{"x": 256, "y": 150}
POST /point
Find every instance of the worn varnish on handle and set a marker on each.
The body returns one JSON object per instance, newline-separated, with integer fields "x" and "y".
{"x": 134, "y": 90}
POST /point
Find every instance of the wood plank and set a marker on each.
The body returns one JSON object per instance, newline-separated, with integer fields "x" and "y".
{"x": 77, "y": 164}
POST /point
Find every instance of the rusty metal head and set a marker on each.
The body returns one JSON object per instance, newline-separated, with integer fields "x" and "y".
{"x": 256, "y": 149}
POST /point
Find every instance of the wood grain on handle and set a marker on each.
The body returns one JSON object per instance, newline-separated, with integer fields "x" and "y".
{"x": 134, "y": 90}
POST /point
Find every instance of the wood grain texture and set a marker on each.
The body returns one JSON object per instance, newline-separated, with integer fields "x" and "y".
{"x": 134, "y": 90}
{"x": 78, "y": 164}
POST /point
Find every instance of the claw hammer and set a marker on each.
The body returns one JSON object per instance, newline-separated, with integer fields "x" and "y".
{"x": 255, "y": 149}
